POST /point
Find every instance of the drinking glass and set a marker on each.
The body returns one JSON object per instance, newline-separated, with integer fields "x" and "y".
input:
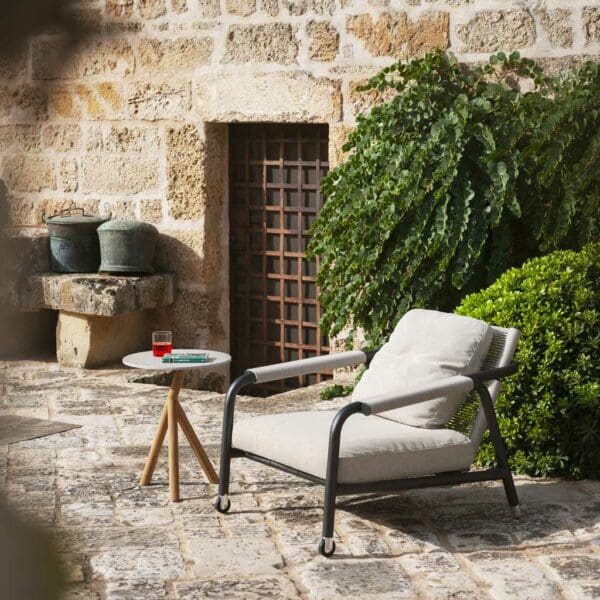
{"x": 162, "y": 343}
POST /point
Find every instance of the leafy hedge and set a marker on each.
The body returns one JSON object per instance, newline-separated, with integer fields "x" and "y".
{"x": 549, "y": 412}
{"x": 455, "y": 179}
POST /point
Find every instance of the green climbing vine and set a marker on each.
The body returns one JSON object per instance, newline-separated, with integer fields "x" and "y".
{"x": 457, "y": 177}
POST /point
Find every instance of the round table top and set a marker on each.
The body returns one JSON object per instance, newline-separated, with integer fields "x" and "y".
{"x": 146, "y": 360}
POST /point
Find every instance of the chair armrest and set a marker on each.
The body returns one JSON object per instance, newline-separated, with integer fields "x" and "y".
{"x": 491, "y": 374}
{"x": 435, "y": 389}
{"x": 457, "y": 383}
{"x": 308, "y": 365}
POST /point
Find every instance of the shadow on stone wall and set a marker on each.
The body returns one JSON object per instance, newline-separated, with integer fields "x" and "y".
{"x": 24, "y": 334}
{"x": 194, "y": 317}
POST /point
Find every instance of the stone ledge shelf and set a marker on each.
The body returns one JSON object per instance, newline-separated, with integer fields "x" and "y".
{"x": 100, "y": 317}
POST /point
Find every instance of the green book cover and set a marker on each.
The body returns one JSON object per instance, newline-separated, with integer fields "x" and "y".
{"x": 201, "y": 357}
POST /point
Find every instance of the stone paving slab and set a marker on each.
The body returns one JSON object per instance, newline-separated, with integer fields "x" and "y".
{"x": 117, "y": 540}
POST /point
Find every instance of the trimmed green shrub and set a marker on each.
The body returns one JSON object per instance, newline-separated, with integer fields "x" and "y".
{"x": 549, "y": 412}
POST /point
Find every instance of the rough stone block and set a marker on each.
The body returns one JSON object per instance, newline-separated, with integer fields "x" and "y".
{"x": 291, "y": 97}
{"x": 269, "y": 43}
{"x": 151, "y": 210}
{"x": 187, "y": 253}
{"x": 124, "y": 138}
{"x": 573, "y": 567}
{"x": 137, "y": 565}
{"x": 295, "y": 8}
{"x": 24, "y": 138}
{"x": 558, "y": 26}
{"x": 224, "y": 557}
{"x": 393, "y": 34}
{"x": 28, "y": 172}
{"x": 493, "y": 30}
{"x": 81, "y": 101}
{"x": 61, "y": 137}
{"x": 68, "y": 175}
{"x": 363, "y": 101}
{"x": 376, "y": 579}
{"x": 185, "y": 172}
{"x": 122, "y": 209}
{"x": 152, "y": 9}
{"x": 173, "y": 56}
{"x": 96, "y": 294}
{"x": 338, "y": 136}
{"x": 56, "y": 60}
{"x": 324, "y": 41}
{"x": 117, "y": 8}
{"x": 591, "y": 24}
{"x": 23, "y": 103}
{"x": 511, "y": 574}
{"x": 209, "y": 8}
{"x": 323, "y": 7}
{"x": 156, "y": 101}
{"x": 109, "y": 174}
{"x": 269, "y": 7}
{"x": 242, "y": 8}
{"x": 89, "y": 341}
{"x": 238, "y": 589}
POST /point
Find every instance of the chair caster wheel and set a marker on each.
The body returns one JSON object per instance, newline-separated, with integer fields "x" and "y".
{"x": 326, "y": 547}
{"x": 222, "y": 504}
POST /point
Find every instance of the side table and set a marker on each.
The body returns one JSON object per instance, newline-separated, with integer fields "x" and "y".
{"x": 173, "y": 415}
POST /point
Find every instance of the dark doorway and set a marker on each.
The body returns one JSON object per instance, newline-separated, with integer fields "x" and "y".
{"x": 275, "y": 174}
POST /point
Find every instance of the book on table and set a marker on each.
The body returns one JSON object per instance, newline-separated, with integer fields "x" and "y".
{"x": 175, "y": 357}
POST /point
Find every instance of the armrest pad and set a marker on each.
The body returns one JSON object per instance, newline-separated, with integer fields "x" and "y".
{"x": 308, "y": 365}
{"x": 435, "y": 389}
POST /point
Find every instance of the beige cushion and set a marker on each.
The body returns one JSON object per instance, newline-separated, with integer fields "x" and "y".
{"x": 372, "y": 448}
{"x": 426, "y": 346}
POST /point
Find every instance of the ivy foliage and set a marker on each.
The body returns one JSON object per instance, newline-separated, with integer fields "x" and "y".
{"x": 549, "y": 412}
{"x": 454, "y": 179}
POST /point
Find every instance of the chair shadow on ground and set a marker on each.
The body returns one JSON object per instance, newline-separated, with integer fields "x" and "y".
{"x": 477, "y": 518}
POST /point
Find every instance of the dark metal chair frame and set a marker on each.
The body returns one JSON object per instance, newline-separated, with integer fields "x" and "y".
{"x": 500, "y": 472}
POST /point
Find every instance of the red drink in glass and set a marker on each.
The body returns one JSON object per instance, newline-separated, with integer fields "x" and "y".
{"x": 162, "y": 343}
{"x": 162, "y": 348}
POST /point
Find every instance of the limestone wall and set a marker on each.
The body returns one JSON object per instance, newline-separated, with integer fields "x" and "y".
{"x": 133, "y": 121}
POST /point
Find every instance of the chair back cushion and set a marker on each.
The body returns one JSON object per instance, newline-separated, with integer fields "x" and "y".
{"x": 425, "y": 346}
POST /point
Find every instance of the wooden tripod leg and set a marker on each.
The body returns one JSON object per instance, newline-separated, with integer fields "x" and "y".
{"x": 157, "y": 443}
{"x": 172, "y": 410}
{"x": 199, "y": 451}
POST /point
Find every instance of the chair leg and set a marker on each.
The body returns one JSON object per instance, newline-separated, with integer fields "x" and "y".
{"x": 511, "y": 494}
{"x": 499, "y": 448}
{"x": 222, "y": 502}
{"x": 327, "y": 544}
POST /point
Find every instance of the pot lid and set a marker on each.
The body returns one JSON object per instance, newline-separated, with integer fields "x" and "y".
{"x": 73, "y": 216}
{"x": 116, "y": 225}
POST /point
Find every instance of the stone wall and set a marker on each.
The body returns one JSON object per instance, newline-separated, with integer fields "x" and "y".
{"x": 132, "y": 121}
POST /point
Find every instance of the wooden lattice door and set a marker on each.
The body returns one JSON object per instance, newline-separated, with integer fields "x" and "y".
{"x": 275, "y": 175}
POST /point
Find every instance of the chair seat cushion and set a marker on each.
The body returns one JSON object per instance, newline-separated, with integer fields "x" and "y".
{"x": 426, "y": 346}
{"x": 372, "y": 448}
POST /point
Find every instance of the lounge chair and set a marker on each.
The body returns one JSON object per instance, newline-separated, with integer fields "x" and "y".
{"x": 416, "y": 418}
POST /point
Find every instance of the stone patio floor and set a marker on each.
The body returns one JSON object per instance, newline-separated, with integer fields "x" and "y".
{"x": 118, "y": 540}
